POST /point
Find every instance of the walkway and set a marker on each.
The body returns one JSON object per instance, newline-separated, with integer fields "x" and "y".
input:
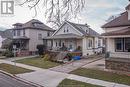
{"x": 49, "y": 78}
{"x": 66, "y": 68}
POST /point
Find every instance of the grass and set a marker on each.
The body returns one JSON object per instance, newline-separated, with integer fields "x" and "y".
{"x": 74, "y": 83}
{"x": 102, "y": 75}
{"x": 13, "y": 69}
{"x": 38, "y": 62}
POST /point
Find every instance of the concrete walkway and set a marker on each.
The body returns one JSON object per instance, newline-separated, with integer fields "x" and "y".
{"x": 66, "y": 68}
{"x": 48, "y": 78}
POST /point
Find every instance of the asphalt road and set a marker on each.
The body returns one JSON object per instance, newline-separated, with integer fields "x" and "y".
{"x": 7, "y": 81}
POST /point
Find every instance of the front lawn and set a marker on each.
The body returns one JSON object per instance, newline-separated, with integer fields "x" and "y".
{"x": 38, "y": 62}
{"x": 13, "y": 69}
{"x": 102, "y": 75}
{"x": 74, "y": 83}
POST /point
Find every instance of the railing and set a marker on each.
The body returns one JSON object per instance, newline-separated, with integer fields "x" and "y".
{"x": 118, "y": 54}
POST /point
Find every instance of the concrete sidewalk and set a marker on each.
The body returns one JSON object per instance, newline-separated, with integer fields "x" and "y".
{"x": 48, "y": 78}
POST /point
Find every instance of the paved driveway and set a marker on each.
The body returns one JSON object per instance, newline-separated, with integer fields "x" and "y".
{"x": 7, "y": 81}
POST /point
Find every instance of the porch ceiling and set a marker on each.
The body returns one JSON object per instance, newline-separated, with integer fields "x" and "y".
{"x": 65, "y": 36}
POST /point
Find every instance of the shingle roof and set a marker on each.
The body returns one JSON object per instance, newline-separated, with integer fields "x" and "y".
{"x": 118, "y": 32}
{"x": 30, "y": 25}
{"x": 122, "y": 20}
{"x": 82, "y": 28}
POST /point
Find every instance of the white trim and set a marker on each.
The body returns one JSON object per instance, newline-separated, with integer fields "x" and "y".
{"x": 116, "y": 36}
{"x": 74, "y": 28}
{"x": 58, "y": 29}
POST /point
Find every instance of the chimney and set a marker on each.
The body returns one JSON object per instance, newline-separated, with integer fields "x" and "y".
{"x": 128, "y": 10}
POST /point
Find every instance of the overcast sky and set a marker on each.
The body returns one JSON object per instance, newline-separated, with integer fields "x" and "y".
{"x": 94, "y": 14}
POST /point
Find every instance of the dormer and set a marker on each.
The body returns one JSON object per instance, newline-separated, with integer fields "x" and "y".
{"x": 128, "y": 10}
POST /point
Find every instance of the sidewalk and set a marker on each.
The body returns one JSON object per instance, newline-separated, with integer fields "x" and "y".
{"x": 48, "y": 78}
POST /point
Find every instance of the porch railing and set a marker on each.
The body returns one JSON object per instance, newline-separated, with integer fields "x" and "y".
{"x": 118, "y": 55}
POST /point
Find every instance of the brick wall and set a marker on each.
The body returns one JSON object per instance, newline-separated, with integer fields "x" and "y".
{"x": 118, "y": 64}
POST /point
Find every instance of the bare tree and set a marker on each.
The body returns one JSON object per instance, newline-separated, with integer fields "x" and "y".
{"x": 57, "y": 10}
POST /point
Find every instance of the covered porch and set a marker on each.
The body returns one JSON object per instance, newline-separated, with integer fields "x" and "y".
{"x": 22, "y": 44}
{"x": 65, "y": 42}
{"x": 118, "y": 47}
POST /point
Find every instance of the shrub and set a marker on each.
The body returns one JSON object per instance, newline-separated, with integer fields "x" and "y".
{"x": 8, "y": 53}
{"x": 46, "y": 57}
{"x": 41, "y": 49}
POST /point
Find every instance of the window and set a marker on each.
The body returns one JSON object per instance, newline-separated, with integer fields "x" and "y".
{"x": 39, "y": 36}
{"x": 99, "y": 43}
{"x": 23, "y": 32}
{"x": 64, "y": 30}
{"x": 127, "y": 44}
{"x": 60, "y": 43}
{"x": 18, "y": 33}
{"x": 14, "y": 32}
{"x": 48, "y": 33}
{"x": 56, "y": 44}
{"x": 90, "y": 43}
{"x": 119, "y": 44}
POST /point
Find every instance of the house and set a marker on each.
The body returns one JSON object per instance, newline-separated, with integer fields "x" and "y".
{"x": 117, "y": 37}
{"x": 76, "y": 36}
{"x": 26, "y": 36}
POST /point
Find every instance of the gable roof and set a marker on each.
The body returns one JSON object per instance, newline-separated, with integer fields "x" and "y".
{"x": 81, "y": 28}
{"x": 30, "y": 25}
{"x": 122, "y": 20}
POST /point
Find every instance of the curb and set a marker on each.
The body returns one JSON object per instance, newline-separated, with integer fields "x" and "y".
{"x": 21, "y": 79}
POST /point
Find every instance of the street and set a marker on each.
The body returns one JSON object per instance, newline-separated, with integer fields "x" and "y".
{"x": 7, "y": 81}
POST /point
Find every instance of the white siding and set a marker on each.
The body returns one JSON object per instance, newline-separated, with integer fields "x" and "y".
{"x": 70, "y": 30}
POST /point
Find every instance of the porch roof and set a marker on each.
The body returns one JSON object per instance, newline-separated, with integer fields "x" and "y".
{"x": 21, "y": 38}
{"x": 118, "y": 32}
{"x": 64, "y": 36}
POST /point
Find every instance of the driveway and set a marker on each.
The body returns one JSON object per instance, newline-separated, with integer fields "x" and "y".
{"x": 7, "y": 81}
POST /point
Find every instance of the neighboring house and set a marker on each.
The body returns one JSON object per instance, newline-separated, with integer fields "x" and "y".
{"x": 74, "y": 36}
{"x": 117, "y": 35}
{"x": 26, "y": 36}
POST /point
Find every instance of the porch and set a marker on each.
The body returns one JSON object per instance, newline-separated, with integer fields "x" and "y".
{"x": 64, "y": 42}
{"x": 118, "y": 47}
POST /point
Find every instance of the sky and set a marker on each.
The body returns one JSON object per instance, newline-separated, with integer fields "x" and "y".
{"x": 95, "y": 14}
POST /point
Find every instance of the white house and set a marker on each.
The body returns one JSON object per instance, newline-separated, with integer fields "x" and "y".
{"x": 26, "y": 36}
{"x": 117, "y": 35}
{"x": 74, "y": 36}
